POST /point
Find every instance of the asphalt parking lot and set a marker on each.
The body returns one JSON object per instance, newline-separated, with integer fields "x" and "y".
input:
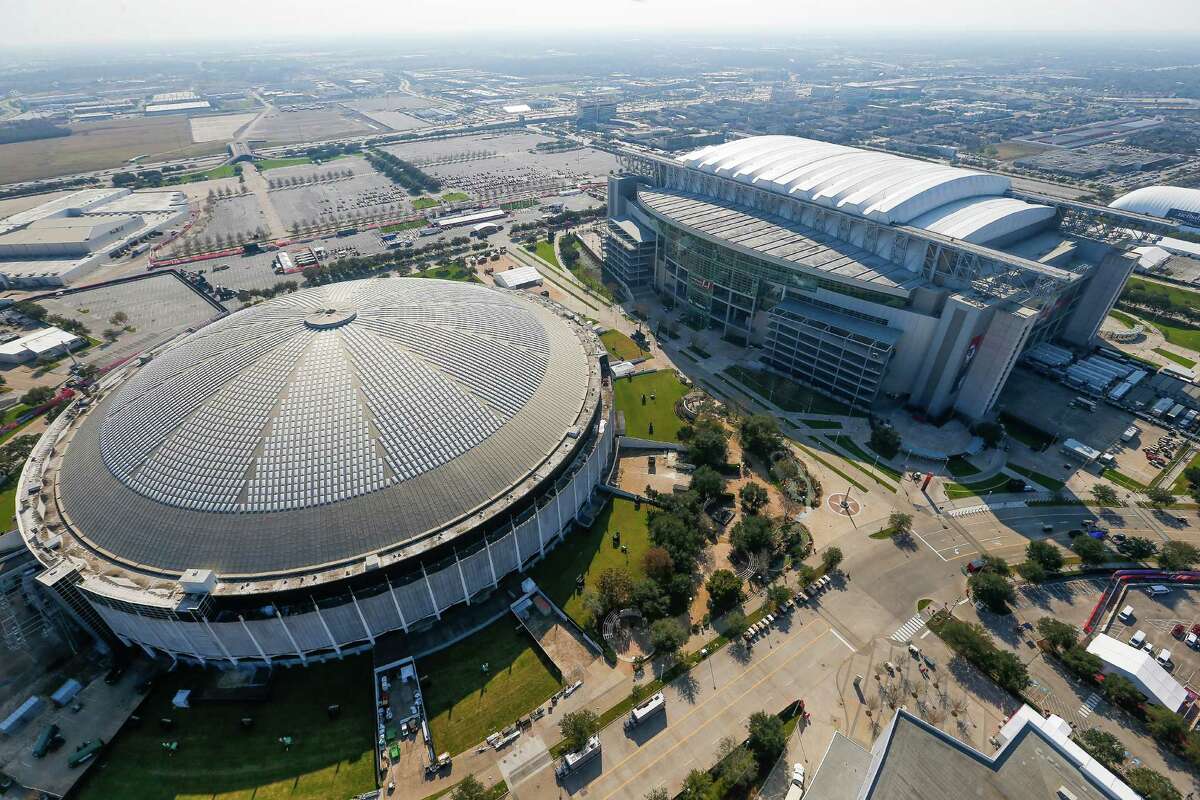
{"x": 1069, "y": 601}
{"x": 1157, "y": 616}
{"x": 365, "y": 192}
{"x": 233, "y": 216}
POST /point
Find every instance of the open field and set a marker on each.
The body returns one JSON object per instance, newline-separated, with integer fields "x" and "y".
{"x": 1007, "y": 151}
{"x": 1177, "y": 333}
{"x": 218, "y": 128}
{"x": 219, "y": 759}
{"x": 590, "y": 552}
{"x": 620, "y": 346}
{"x": 658, "y": 412}
{"x": 100, "y": 145}
{"x": 288, "y": 127}
{"x": 1123, "y": 318}
{"x": 465, "y": 704}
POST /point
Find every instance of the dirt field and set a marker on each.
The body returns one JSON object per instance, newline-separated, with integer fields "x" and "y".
{"x": 219, "y": 128}
{"x": 285, "y": 127}
{"x": 101, "y": 145}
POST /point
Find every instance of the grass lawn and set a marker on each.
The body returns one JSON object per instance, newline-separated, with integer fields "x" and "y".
{"x": 1177, "y": 295}
{"x": 961, "y": 468}
{"x": 620, "y": 346}
{"x": 1123, "y": 480}
{"x": 464, "y": 704}
{"x": 1053, "y": 484}
{"x": 404, "y": 226}
{"x": 8, "y": 505}
{"x": 831, "y": 467}
{"x": 1123, "y": 318}
{"x": 787, "y": 394}
{"x": 590, "y": 552}
{"x": 1182, "y": 361}
{"x": 517, "y": 204}
{"x": 867, "y": 459}
{"x": 1177, "y": 333}
{"x": 1022, "y": 431}
{"x": 463, "y": 274}
{"x": 996, "y": 483}
{"x": 218, "y": 760}
{"x": 275, "y": 163}
{"x": 455, "y": 197}
{"x": 659, "y": 412}
{"x": 545, "y": 251}
{"x": 423, "y": 202}
{"x": 1180, "y": 486}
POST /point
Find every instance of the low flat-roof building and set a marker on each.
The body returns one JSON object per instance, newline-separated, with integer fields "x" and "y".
{"x": 1140, "y": 668}
{"x": 518, "y": 278}
{"x": 39, "y": 345}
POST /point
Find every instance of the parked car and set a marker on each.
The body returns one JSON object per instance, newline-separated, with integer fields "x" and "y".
{"x": 1177, "y": 631}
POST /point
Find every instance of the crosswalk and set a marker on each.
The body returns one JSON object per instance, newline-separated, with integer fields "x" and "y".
{"x": 1089, "y": 705}
{"x": 909, "y": 629}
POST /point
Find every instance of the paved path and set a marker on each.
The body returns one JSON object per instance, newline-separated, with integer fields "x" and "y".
{"x": 257, "y": 184}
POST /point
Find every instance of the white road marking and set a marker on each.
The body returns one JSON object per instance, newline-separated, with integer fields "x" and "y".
{"x": 842, "y": 639}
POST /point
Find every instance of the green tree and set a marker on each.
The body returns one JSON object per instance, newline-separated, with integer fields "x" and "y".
{"x": 1102, "y": 746}
{"x": 1032, "y": 571}
{"x": 759, "y": 434}
{"x": 885, "y": 440}
{"x": 736, "y": 624}
{"x": 831, "y": 559}
{"x": 37, "y": 395}
{"x": 696, "y": 786}
{"x": 1151, "y": 785}
{"x": 667, "y": 636}
{"x": 1120, "y": 691}
{"x": 1178, "y": 555}
{"x": 1060, "y": 635}
{"x": 1104, "y": 494}
{"x": 1090, "y": 551}
{"x": 577, "y": 727}
{"x": 1082, "y": 663}
{"x": 469, "y": 788}
{"x": 708, "y": 442}
{"x": 614, "y": 588}
{"x": 651, "y": 599}
{"x": 1159, "y": 497}
{"x": 724, "y": 590}
{"x": 1165, "y": 725}
{"x": 707, "y": 483}
{"x": 737, "y": 765}
{"x": 1009, "y": 671}
{"x": 676, "y": 529}
{"x": 1045, "y": 554}
{"x": 992, "y": 590}
{"x": 997, "y": 565}
{"x": 657, "y": 794}
{"x": 992, "y": 433}
{"x": 753, "y": 535}
{"x": 767, "y": 737}
{"x": 777, "y": 595}
{"x": 754, "y": 497}
{"x": 1139, "y": 548}
{"x": 657, "y": 564}
{"x": 900, "y": 523}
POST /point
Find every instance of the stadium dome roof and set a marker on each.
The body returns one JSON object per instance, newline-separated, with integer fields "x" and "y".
{"x": 326, "y": 424}
{"x": 1160, "y": 201}
{"x": 879, "y": 186}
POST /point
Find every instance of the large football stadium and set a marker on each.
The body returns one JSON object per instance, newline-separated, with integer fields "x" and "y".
{"x": 305, "y": 475}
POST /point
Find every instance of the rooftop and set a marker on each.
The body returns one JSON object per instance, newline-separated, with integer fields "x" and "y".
{"x": 1140, "y": 667}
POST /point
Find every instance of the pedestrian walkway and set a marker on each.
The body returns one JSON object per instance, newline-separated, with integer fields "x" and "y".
{"x": 1089, "y": 705}
{"x": 908, "y": 630}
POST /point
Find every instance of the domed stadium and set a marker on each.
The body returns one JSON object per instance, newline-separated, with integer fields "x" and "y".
{"x": 306, "y": 474}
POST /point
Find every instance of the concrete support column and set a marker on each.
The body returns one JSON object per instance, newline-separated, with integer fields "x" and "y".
{"x": 537, "y": 518}
{"x": 221, "y": 645}
{"x": 328, "y": 632}
{"x": 462, "y": 579}
{"x": 396, "y": 603}
{"x": 517, "y": 544}
{"x": 362, "y": 619}
{"x": 491, "y": 564}
{"x": 250, "y": 633}
{"x": 429, "y": 588}
{"x": 292, "y": 639}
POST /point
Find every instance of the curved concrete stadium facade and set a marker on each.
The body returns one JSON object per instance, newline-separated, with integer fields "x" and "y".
{"x": 305, "y": 475}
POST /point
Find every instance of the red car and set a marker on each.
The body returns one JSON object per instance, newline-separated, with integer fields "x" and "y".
{"x": 1196, "y": 629}
{"x": 1177, "y": 631}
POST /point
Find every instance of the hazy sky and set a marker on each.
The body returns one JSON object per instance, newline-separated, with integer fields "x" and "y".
{"x": 49, "y": 22}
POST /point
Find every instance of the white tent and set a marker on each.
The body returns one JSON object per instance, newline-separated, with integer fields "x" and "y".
{"x": 518, "y": 278}
{"x": 1140, "y": 668}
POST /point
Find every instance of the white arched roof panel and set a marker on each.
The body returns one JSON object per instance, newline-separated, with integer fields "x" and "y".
{"x": 935, "y": 189}
{"x": 735, "y": 163}
{"x": 804, "y": 181}
{"x": 900, "y": 173}
{"x": 1159, "y": 201}
{"x": 790, "y": 162}
{"x": 869, "y": 175}
{"x": 982, "y": 220}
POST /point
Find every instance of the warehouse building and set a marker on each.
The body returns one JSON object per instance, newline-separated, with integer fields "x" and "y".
{"x": 42, "y": 345}
{"x": 864, "y": 275}
{"x": 305, "y": 475}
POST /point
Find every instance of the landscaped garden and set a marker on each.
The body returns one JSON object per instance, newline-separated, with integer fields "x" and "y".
{"x": 218, "y": 758}
{"x": 656, "y": 417}
{"x": 620, "y": 346}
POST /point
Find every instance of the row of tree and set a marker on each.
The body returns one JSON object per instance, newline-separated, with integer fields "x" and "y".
{"x": 401, "y": 172}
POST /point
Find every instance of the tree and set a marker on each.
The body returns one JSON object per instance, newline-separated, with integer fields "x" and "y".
{"x": 708, "y": 442}
{"x": 651, "y": 599}
{"x": 707, "y": 483}
{"x": 900, "y": 523}
{"x": 1009, "y": 671}
{"x": 1159, "y": 497}
{"x": 753, "y": 535}
{"x": 1102, "y": 746}
{"x": 767, "y": 737}
{"x": 696, "y": 786}
{"x": 992, "y": 433}
{"x": 667, "y": 636}
{"x": 1089, "y": 550}
{"x": 736, "y": 624}
{"x": 577, "y": 727}
{"x": 615, "y": 588}
{"x": 777, "y": 595}
{"x": 1139, "y": 547}
{"x": 1120, "y": 691}
{"x": 1178, "y": 555}
{"x": 658, "y": 565}
{"x": 724, "y": 590}
{"x": 1165, "y": 725}
{"x": 759, "y": 434}
{"x": 469, "y": 788}
{"x": 119, "y": 318}
{"x": 1104, "y": 494}
{"x": 1045, "y": 554}
{"x": 37, "y": 395}
{"x": 992, "y": 590}
{"x": 1032, "y": 571}
{"x": 997, "y": 565}
{"x": 1060, "y": 635}
{"x": 110, "y": 334}
{"x": 884, "y": 440}
{"x": 1151, "y": 785}
{"x": 737, "y": 764}
{"x": 658, "y": 794}
{"x": 831, "y": 559}
{"x": 1083, "y": 664}
{"x": 754, "y": 497}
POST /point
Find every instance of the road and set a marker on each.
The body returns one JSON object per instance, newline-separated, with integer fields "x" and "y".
{"x": 664, "y": 749}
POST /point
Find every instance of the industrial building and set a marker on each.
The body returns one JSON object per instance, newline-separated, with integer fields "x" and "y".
{"x": 65, "y": 239}
{"x": 176, "y": 103}
{"x": 42, "y": 345}
{"x": 865, "y": 275}
{"x": 308, "y": 474}
{"x": 911, "y": 758}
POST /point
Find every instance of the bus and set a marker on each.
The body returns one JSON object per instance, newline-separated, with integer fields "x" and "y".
{"x": 573, "y": 762}
{"x": 649, "y": 708}
{"x": 1085, "y": 403}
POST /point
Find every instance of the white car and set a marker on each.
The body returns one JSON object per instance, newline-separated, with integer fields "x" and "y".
{"x": 1192, "y": 640}
{"x": 1164, "y": 657}
{"x": 798, "y": 774}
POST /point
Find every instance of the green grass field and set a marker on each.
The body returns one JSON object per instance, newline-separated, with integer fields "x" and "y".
{"x": 961, "y": 468}
{"x": 590, "y": 552}
{"x": 869, "y": 460}
{"x": 545, "y": 251}
{"x": 275, "y": 163}
{"x": 1177, "y": 333}
{"x": 996, "y": 483}
{"x": 823, "y": 424}
{"x": 1121, "y": 479}
{"x": 1022, "y": 431}
{"x": 1177, "y": 295}
{"x": 1053, "y": 484}
{"x": 1180, "y": 486}
{"x": 659, "y": 412}
{"x": 1123, "y": 318}
{"x": 787, "y": 394}
{"x": 218, "y": 760}
{"x": 1182, "y": 361}
{"x": 465, "y": 704}
{"x": 404, "y": 226}
{"x": 455, "y": 197}
{"x": 420, "y": 203}
{"x": 8, "y": 505}
{"x": 620, "y": 346}
{"x": 464, "y": 274}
